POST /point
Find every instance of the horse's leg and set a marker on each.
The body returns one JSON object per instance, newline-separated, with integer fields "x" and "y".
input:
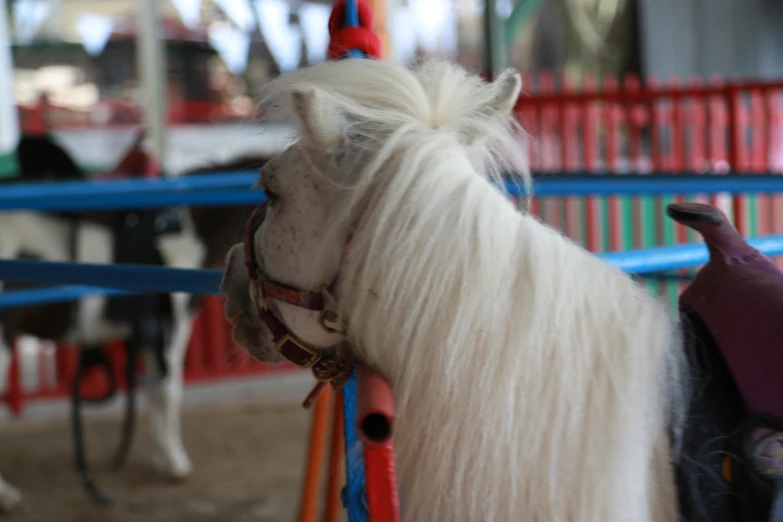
{"x": 165, "y": 395}
{"x": 9, "y": 495}
{"x": 182, "y": 250}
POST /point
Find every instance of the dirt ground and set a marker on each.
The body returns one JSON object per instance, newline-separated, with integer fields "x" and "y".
{"x": 248, "y": 462}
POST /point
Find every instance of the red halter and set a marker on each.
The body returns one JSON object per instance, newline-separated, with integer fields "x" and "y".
{"x": 328, "y": 367}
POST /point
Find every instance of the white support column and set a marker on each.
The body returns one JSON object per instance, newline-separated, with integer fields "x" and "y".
{"x": 152, "y": 76}
{"x": 9, "y": 118}
{"x": 56, "y": 20}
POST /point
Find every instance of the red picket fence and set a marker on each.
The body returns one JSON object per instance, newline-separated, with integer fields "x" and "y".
{"x": 704, "y": 128}
{"x": 707, "y": 128}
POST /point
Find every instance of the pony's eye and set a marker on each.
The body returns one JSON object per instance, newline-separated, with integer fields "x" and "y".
{"x": 271, "y": 196}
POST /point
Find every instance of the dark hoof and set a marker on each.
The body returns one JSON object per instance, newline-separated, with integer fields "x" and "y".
{"x": 692, "y": 212}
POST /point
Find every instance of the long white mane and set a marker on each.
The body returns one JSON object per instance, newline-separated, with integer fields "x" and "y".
{"x": 533, "y": 382}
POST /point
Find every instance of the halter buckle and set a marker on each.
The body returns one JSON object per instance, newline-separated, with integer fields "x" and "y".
{"x": 293, "y": 351}
{"x": 261, "y": 304}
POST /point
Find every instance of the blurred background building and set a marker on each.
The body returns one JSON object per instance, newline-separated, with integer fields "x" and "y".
{"x": 76, "y": 65}
{"x": 77, "y": 52}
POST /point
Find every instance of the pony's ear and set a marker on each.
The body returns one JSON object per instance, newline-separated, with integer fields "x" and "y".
{"x": 505, "y": 89}
{"x": 320, "y": 123}
{"x": 509, "y": 85}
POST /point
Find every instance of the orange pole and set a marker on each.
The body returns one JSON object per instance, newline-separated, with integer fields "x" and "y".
{"x": 380, "y": 15}
{"x": 309, "y": 507}
{"x": 335, "y": 480}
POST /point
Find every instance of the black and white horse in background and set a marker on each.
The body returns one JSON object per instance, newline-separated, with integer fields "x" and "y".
{"x": 156, "y": 326}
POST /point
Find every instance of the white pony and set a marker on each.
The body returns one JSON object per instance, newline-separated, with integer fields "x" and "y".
{"x": 533, "y": 382}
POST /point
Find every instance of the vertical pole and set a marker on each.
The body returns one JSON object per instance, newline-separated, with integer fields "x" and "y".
{"x": 375, "y": 418}
{"x": 333, "y": 507}
{"x": 736, "y": 156}
{"x": 152, "y": 76}
{"x": 55, "y": 22}
{"x": 308, "y": 509}
{"x": 382, "y": 12}
{"x": 523, "y": 11}
{"x": 494, "y": 46}
{"x": 9, "y": 119}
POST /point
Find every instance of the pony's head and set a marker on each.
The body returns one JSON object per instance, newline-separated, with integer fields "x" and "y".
{"x": 371, "y": 135}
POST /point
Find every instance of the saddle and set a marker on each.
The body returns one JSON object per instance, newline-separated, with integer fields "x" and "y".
{"x": 136, "y": 162}
{"x": 731, "y": 468}
{"x": 135, "y": 242}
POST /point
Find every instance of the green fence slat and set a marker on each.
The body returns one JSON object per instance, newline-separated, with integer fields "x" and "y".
{"x": 8, "y": 166}
{"x": 672, "y": 288}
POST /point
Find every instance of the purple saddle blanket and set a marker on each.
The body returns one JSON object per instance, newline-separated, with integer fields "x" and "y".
{"x": 738, "y": 295}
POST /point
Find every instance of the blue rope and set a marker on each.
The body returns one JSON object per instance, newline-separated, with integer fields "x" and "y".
{"x": 37, "y": 296}
{"x": 99, "y": 279}
{"x": 661, "y": 259}
{"x": 207, "y": 181}
{"x": 353, "y": 496}
{"x": 654, "y": 184}
{"x": 133, "y": 278}
{"x": 235, "y": 189}
{"x": 138, "y": 201}
{"x": 352, "y": 20}
{"x": 351, "y": 13}
{"x": 16, "y": 298}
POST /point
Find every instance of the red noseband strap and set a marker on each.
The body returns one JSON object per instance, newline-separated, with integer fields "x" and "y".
{"x": 290, "y": 295}
{"x": 251, "y": 225}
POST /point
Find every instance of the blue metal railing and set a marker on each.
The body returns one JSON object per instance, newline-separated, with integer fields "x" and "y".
{"x": 237, "y": 189}
{"x": 117, "y": 279}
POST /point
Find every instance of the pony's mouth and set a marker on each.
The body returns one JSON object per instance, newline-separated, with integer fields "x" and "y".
{"x": 257, "y": 342}
{"x": 266, "y": 355}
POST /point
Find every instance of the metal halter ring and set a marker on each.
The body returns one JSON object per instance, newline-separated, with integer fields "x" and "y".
{"x": 332, "y": 317}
